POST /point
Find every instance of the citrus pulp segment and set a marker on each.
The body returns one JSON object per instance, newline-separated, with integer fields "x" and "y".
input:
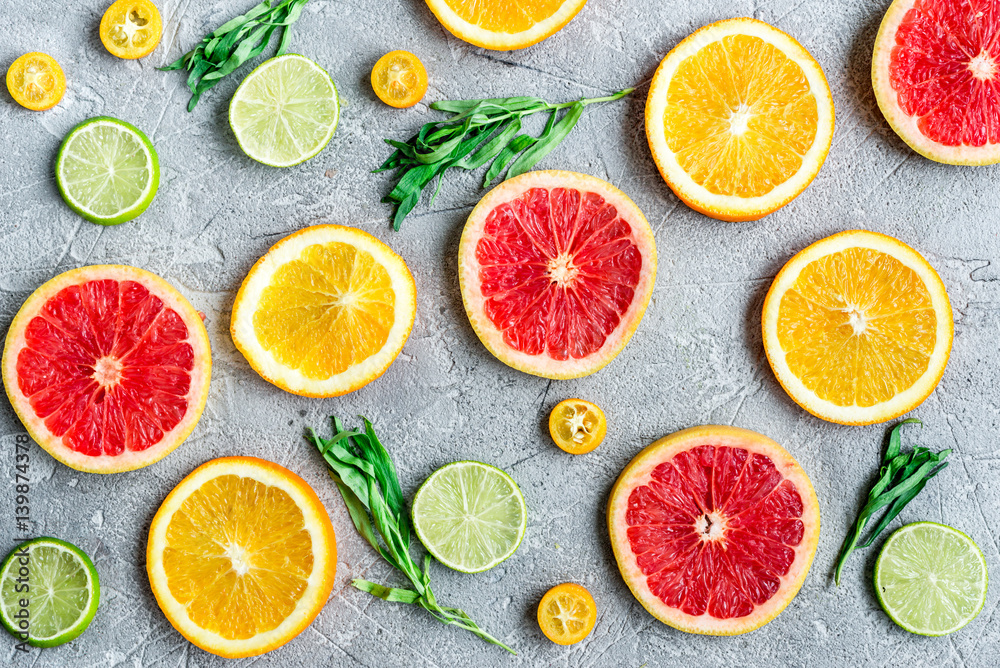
{"x": 285, "y": 111}
{"x": 108, "y": 368}
{"x": 857, "y": 328}
{"x": 567, "y": 613}
{"x": 577, "y": 426}
{"x": 739, "y": 119}
{"x": 399, "y": 79}
{"x": 131, "y": 28}
{"x": 471, "y": 516}
{"x": 62, "y": 590}
{"x": 931, "y": 579}
{"x": 556, "y": 269}
{"x": 936, "y": 75}
{"x": 36, "y": 81}
{"x": 241, "y": 556}
{"x": 504, "y": 24}
{"x": 325, "y": 311}
{"x": 714, "y": 529}
{"x": 107, "y": 170}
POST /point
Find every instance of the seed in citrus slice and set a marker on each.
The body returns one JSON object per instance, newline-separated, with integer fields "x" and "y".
{"x": 556, "y": 269}
{"x": 470, "y": 516}
{"x": 567, "y": 613}
{"x": 714, "y": 529}
{"x": 107, "y": 170}
{"x": 930, "y": 579}
{"x": 325, "y": 311}
{"x": 857, "y": 328}
{"x": 131, "y": 28}
{"x": 739, "y": 118}
{"x": 577, "y": 426}
{"x": 36, "y": 81}
{"x": 399, "y": 79}
{"x": 936, "y": 74}
{"x": 108, "y": 368}
{"x": 503, "y": 25}
{"x": 61, "y": 586}
{"x": 285, "y": 111}
{"x": 241, "y": 556}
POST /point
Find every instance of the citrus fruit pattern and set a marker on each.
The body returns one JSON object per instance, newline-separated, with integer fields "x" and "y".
{"x": 577, "y": 426}
{"x": 108, "y": 368}
{"x": 556, "y": 270}
{"x": 936, "y": 75}
{"x": 241, "y": 556}
{"x": 504, "y": 24}
{"x": 858, "y": 328}
{"x": 567, "y": 613}
{"x": 399, "y": 79}
{"x": 131, "y": 28}
{"x": 325, "y": 311}
{"x": 714, "y": 529}
{"x": 739, "y": 118}
{"x": 36, "y": 81}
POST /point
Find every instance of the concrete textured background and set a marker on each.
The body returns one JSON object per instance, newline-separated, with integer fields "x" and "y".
{"x": 696, "y": 358}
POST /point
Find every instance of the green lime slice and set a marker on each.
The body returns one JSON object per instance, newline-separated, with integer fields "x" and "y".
{"x": 107, "y": 170}
{"x": 470, "y": 516}
{"x": 931, "y": 579}
{"x": 48, "y": 592}
{"x": 285, "y": 111}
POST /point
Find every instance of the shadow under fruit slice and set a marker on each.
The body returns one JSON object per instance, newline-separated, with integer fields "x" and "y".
{"x": 556, "y": 270}
{"x": 714, "y": 529}
{"x": 241, "y": 556}
{"x": 108, "y": 368}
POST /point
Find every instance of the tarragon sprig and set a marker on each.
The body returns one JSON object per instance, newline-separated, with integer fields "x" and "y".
{"x": 477, "y": 132}
{"x": 901, "y": 477}
{"x": 367, "y": 480}
{"x": 235, "y": 42}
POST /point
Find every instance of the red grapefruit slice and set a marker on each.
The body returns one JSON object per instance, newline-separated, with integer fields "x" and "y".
{"x": 556, "y": 270}
{"x": 108, "y": 368}
{"x": 936, "y": 74}
{"x": 714, "y": 529}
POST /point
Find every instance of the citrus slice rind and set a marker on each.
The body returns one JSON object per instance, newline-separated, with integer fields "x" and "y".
{"x": 503, "y": 25}
{"x": 236, "y": 562}
{"x": 788, "y": 543}
{"x": 292, "y": 249}
{"x": 695, "y": 194}
{"x": 934, "y": 292}
{"x": 196, "y": 372}
{"x": 962, "y": 59}
{"x": 598, "y": 339}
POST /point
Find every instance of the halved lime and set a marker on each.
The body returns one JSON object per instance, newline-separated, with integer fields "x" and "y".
{"x": 931, "y": 579}
{"x": 470, "y": 516}
{"x": 285, "y": 111}
{"x": 48, "y": 592}
{"x": 107, "y": 170}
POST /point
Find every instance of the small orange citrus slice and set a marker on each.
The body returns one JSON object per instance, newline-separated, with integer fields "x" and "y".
{"x": 567, "y": 613}
{"x": 241, "y": 556}
{"x": 399, "y": 79}
{"x": 36, "y": 81}
{"x": 739, "y": 118}
{"x": 503, "y": 25}
{"x": 131, "y": 28}
{"x": 577, "y": 426}
{"x": 858, "y": 328}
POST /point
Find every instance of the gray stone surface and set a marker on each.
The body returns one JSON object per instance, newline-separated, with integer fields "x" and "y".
{"x": 696, "y": 358}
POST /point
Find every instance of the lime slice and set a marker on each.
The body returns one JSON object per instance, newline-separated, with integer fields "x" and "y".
{"x": 470, "y": 516}
{"x": 60, "y": 585}
{"x": 107, "y": 170}
{"x": 930, "y": 579}
{"x": 285, "y": 112}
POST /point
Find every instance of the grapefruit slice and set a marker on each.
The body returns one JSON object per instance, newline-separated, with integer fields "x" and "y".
{"x": 936, "y": 74}
{"x": 714, "y": 529}
{"x": 556, "y": 270}
{"x": 108, "y": 368}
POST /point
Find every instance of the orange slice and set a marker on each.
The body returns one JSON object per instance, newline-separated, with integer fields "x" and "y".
{"x": 325, "y": 311}
{"x": 131, "y": 28}
{"x": 504, "y": 25}
{"x": 399, "y": 79}
{"x": 567, "y": 613}
{"x": 577, "y": 426}
{"x": 36, "y": 81}
{"x": 241, "y": 556}
{"x": 739, "y": 118}
{"x": 858, "y": 328}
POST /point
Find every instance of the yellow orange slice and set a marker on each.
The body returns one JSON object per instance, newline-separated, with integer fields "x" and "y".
{"x": 567, "y": 613}
{"x": 131, "y": 29}
{"x": 739, "y": 118}
{"x": 577, "y": 426}
{"x": 36, "y": 81}
{"x": 503, "y": 25}
{"x": 399, "y": 79}
{"x": 325, "y": 311}
{"x": 858, "y": 328}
